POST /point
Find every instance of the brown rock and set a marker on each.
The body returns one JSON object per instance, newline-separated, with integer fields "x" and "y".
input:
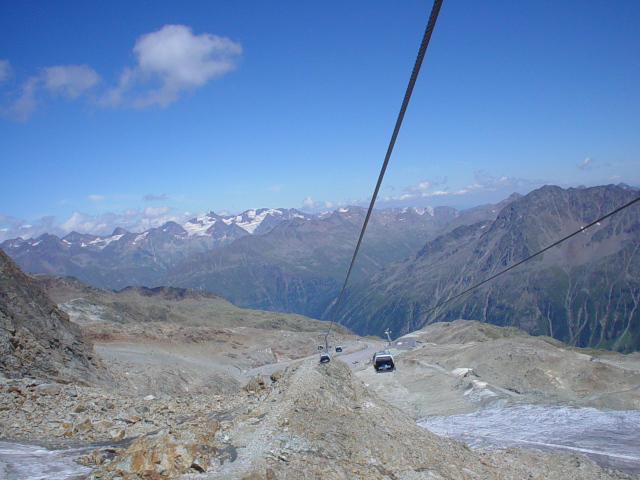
{"x": 254, "y": 476}
{"x": 255, "y": 384}
{"x": 275, "y": 376}
{"x": 188, "y": 448}
{"x": 83, "y": 426}
{"x": 117, "y": 433}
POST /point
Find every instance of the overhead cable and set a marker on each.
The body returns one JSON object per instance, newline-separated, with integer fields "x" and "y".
{"x": 414, "y": 75}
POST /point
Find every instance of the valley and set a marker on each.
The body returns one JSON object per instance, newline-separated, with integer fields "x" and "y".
{"x": 173, "y": 382}
{"x": 227, "y": 393}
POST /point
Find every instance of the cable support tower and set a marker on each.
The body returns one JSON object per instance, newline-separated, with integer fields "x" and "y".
{"x": 412, "y": 80}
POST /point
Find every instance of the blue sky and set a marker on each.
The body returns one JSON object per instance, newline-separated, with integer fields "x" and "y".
{"x": 133, "y": 113}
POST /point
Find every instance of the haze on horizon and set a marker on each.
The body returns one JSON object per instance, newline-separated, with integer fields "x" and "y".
{"x": 133, "y": 115}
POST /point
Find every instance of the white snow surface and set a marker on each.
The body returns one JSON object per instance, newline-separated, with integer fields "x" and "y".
{"x": 611, "y": 439}
{"x": 102, "y": 242}
{"x": 248, "y": 221}
{"x": 420, "y": 211}
{"x": 200, "y": 226}
{"x": 251, "y": 219}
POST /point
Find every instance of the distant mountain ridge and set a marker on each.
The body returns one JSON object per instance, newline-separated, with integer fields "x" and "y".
{"x": 142, "y": 259}
{"x": 585, "y": 292}
{"x": 299, "y": 266}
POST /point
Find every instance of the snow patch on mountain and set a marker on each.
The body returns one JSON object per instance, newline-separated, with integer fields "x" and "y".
{"x": 198, "y": 226}
{"x": 103, "y": 242}
{"x": 140, "y": 237}
{"x": 251, "y": 219}
{"x": 420, "y": 211}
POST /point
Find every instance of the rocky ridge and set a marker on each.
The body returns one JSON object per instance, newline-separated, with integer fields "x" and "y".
{"x": 37, "y": 339}
{"x": 319, "y": 421}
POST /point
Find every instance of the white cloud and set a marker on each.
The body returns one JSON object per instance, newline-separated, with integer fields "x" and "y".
{"x": 70, "y": 80}
{"x": 131, "y": 220}
{"x": 486, "y": 182}
{"x": 176, "y": 60}
{"x": 130, "y": 213}
{"x": 96, "y": 198}
{"x": 311, "y": 205}
{"x": 5, "y": 70}
{"x": 420, "y": 187}
{"x": 25, "y": 102}
{"x": 84, "y": 223}
{"x": 169, "y": 62}
{"x": 156, "y": 212}
{"x": 151, "y": 197}
{"x": 585, "y": 164}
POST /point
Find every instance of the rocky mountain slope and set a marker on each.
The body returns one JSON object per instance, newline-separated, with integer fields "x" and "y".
{"x": 37, "y": 339}
{"x": 584, "y": 292}
{"x": 173, "y": 403}
{"x": 93, "y": 307}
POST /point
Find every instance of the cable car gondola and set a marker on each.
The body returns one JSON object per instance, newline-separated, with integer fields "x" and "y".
{"x": 325, "y": 358}
{"x": 338, "y": 349}
{"x": 383, "y": 362}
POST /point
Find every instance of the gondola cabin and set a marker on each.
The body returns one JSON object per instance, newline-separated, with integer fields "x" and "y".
{"x": 338, "y": 349}
{"x": 325, "y": 358}
{"x": 383, "y": 362}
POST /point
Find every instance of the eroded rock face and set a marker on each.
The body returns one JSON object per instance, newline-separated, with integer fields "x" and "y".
{"x": 36, "y": 338}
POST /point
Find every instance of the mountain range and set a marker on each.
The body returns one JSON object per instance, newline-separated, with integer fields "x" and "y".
{"x": 137, "y": 259}
{"x": 584, "y": 292}
{"x": 281, "y": 260}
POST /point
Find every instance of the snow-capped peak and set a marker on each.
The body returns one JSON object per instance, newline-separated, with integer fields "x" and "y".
{"x": 197, "y": 227}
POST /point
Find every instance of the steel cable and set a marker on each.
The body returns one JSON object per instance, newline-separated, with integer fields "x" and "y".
{"x": 412, "y": 80}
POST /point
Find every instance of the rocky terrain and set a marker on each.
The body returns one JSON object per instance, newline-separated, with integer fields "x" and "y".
{"x": 36, "y": 337}
{"x": 464, "y": 365}
{"x": 181, "y": 396}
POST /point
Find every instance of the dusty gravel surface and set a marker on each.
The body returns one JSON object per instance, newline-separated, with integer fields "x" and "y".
{"x": 196, "y": 401}
{"x": 461, "y": 366}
